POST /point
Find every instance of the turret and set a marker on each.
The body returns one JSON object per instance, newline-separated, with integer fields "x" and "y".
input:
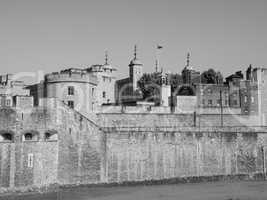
{"x": 136, "y": 69}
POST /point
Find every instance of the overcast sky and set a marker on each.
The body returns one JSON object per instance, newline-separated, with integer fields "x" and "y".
{"x": 50, "y": 35}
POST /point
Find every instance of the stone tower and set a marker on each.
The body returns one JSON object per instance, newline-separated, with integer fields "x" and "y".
{"x": 190, "y": 75}
{"x": 165, "y": 89}
{"x": 260, "y": 77}
{"x": 104, "y": 93}
{"x": 136, "y": 70}
{"x": 75, "y": 87}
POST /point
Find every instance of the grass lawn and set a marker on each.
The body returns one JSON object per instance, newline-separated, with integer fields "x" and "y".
{"x": 246, "y": 190}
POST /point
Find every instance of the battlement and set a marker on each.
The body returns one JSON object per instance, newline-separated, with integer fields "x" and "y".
{"x": 186, "y": 129}
{"x": 176, "y": 120}
{"x": 57, "y": 145}
{"x": 181, "y": 109}
{"x": 105, "y": 71}
{"x": 71, "y": 75}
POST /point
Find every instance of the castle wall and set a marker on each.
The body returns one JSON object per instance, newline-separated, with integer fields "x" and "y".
{"x": 124, "y": 147}
{"x": 154, "y": 154}
{"x": 148, "y": 109}
{"x": 27, "y": 163}
{"x": 45, "y": 161}
{"x": 74, "y": 157}
{"x": 186, "y": 104}
{"x": 80, "y": 149}
{"x": 174, "y": 120}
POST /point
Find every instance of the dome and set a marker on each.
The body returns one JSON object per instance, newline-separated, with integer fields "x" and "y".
{"x": 135, "y": 61}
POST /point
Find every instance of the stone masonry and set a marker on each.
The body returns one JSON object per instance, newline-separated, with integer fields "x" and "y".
{"x": 123, "y": 147}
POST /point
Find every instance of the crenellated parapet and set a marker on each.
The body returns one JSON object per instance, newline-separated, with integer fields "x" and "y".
{"x": 71, "y": 75}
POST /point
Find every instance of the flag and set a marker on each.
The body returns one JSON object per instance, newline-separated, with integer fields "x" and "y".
{"x": 159, "y": 47}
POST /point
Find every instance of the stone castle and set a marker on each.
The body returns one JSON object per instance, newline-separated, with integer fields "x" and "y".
{"x": 82, "y": 126}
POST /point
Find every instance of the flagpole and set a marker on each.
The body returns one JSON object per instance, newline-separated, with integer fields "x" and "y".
{"x": 157, "y": 59}
{"x": 158, "y": 47}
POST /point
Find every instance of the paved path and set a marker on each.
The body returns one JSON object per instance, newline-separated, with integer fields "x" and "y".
{"x": 197, "y": 191}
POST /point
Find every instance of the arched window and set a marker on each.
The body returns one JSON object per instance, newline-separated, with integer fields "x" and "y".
{"x": 51, "y": 136}
{"x": 6, "y": 137}
{"x": 29, "y": 136}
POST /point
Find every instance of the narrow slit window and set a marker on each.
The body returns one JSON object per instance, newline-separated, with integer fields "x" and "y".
{"x": 71, "y": 90}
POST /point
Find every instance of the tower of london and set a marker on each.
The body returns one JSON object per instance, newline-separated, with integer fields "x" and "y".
{"x": 83, "y": 126}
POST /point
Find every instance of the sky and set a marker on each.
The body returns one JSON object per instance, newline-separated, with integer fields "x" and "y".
{"x": 51, "y": 35}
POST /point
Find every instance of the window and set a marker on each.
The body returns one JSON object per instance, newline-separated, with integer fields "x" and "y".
{"x": 218, "y": 102}
{"x": 71, "y": 104}
{"x": 70, "y": 90}
{"x": 6, "y": 137}
{"x": 226, "y": 102}
{"x": 209, "y": 91}
{"x": 30, "y": 160}
{"x": 210, "y": 102}
{"x": 104, "y": 94}
{"x": 28, "y": 137}
{"x": 201, "y": 92}
{"x": 252, "y": 99}
{"x": 51, "y": 136}
{"x": 235, "y": 102}
{"x": 245, "y": 99}
{"x": 8, "y": 102}
{"x": 203, "y": 101}
{"x": 93, "y": 92}
{"x": 93, "y": 105}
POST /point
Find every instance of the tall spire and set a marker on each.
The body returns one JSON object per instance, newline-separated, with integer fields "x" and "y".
{"x": 188, "y": 60}
{"x": 135, "y": 51}
{"x": 106, "y": 57}
{"x": 135, "y": 60}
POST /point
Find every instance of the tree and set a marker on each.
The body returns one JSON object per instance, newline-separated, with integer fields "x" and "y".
{"x": 150, "y": 85}
{"x": 211, "y": 77}
{"x": 175, "y": 80}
